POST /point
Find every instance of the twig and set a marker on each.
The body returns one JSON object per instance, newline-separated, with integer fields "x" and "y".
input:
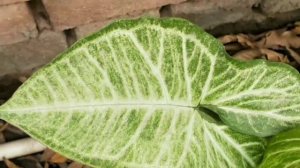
{"x": 21, "y": 147}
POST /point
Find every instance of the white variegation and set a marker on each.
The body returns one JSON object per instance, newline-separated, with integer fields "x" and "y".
{"x": 283, "y": 150}
{"x": 132, "y": 96}
{"x": 262, "y": 100}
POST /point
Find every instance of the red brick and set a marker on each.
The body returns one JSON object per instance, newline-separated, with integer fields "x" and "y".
{"x": 84, "y": 30}
{"x": 68, "y": 15}
{"x": 25, "y": 56}
{"x": 6, "y": 2}
{"x": 16, "y": 23}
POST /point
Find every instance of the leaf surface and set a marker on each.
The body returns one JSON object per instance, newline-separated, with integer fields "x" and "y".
{"x": 131, "y": 95}
{"x": 283, "y": 150}
{"x": 256, "y": 97}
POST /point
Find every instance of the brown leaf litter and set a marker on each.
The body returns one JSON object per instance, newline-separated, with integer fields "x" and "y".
{"x": 281, "y": 45}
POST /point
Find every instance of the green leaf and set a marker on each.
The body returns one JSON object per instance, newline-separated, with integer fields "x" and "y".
{"x": 132, "y": 95}
{"x": 258, "y": 98}
{"x": 283, "y": 150}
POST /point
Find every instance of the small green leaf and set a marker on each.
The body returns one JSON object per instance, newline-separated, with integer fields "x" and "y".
{"x": 132, "y": 95}
{"x": 283, "y": 150}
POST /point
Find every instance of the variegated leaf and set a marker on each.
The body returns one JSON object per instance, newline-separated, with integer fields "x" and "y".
{"x": 132, "y": 95}
{"x": 283, "y": 150}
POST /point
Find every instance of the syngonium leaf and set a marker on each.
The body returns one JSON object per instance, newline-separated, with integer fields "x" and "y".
{"x": 132, "y": 95}
{"x": 283, "y": 150}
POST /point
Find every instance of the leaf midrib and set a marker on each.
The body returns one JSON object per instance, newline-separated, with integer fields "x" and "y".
{"x": 79, "y": 106}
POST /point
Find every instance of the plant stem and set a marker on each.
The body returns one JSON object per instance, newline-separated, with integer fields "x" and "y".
{"x": 21, "y": 147}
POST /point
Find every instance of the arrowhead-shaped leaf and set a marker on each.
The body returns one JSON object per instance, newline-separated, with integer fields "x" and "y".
{"x": 283, "y": 150}
{"x": 132, "y": 95}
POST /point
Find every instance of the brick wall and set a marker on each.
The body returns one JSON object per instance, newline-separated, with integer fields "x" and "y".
{"x": 32, "y": 32}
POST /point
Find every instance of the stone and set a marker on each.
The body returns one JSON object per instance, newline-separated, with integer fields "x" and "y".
{"x": 84, "y": 30}
{"x": 16, "y": 23}
{"x": 208, "y": 6}
{"x": 68, "y": 15}
{"x": 210, "y": 14}
{"x": 276, "y": 6}
{"x": 6, "y": 2}
{"x": 40, "y": 15}
{"x": 27, "y": 56}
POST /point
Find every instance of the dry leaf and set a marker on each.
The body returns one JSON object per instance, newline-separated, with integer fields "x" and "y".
{"x": 46, "y": 165}
{"x": 233, "y": 47}
{"x": 277, "y": 40}
{"x": 294, "y": 54}
{"x": 47, "y": 154}
{"x": 266, "y": 45}
{"x": 273, "y": 55}
{"x": 57, "y": 158}
{"x": 52, "y": 157}
{"x": 3, "y": 127}
{"x": 75, "y": 165}
{"x": 10, "y": 164}
{"x": 62, "y": 165}
{"x": 30, "y": 161}
{"x": 14, "y": 130}
{"x": 296, "y": 29}
{"x": 2, "y": 138}
{"x": 242, "y": 39}
{"x": 22, "y": 79}
{"x": 249, "y": 54}
{"x": 268, "y": 54}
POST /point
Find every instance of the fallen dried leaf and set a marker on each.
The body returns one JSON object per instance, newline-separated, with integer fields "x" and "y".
{"x": 10, "y": 164}
{"x": 268, "y": 54}
{"x": 53, "y": 157}
{"x": 276, "y": 40}
{"x": 273, "y": 55}
{"x": 2, "y": 138}
{"x": 242, "y": 39}
{"x": 233, "y": 47}
{"x": 294, "y": 54}
{"x": 249, "y": 54}
{"x": 75, "y": 165}
{"x": 63, "y": 165}
{"x": 46, "y": 165}
{"x": 30, "y": 161}
{"x": 57, "y": 158}
{"x": 296, "y": 30}
{"x": 3, "y": 127}
{"x": 14, "y": 130}
{"x": 22, "y": 79}
{"x": 47, "y": 154}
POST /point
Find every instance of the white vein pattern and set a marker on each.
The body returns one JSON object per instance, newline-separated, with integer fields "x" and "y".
{"x": 265, "y": 96}
{"x": 283, "y": 150}
{"x": 128, "y": 99}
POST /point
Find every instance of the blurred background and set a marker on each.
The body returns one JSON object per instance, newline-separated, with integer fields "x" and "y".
{"x": 33, "y": 32}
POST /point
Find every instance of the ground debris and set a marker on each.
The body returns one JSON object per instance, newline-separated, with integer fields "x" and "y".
{"x": 281, "y": 45}
{"x": 76, "y": 165}
{"x": 53, "y": 157}
{"x": 10, "y": 164}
